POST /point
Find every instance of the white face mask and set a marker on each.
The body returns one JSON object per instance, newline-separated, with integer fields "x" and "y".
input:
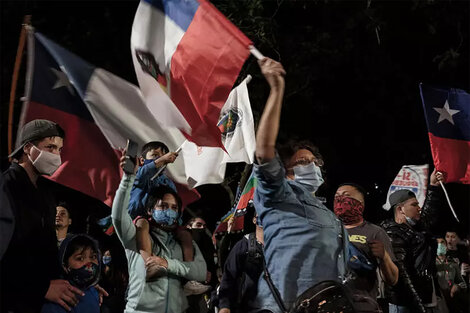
{"x": 308, "y": 175}
{"x": 46, "y": 162}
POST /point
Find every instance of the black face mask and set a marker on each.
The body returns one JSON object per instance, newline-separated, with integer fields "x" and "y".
{"x": 198, "y": 233}
{"x": 84, "y": 276}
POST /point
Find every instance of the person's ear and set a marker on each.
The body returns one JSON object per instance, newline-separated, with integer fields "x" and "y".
{"x": 27, "y": 148}
{"x": 140, "y": 160}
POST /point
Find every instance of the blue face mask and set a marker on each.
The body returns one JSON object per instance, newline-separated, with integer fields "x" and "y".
{"x": 106, "y": 260}
{"x": 167, "y": 217}
{"x": 411, "y": 221}
{"x": 309, "y": 176}
{"x": 84, "y": 276}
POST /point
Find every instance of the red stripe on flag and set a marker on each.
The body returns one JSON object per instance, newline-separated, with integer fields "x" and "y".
{"x": 89, "y": 164}
{"x": 204, "y": 68}
{"x": 452, "y": 157}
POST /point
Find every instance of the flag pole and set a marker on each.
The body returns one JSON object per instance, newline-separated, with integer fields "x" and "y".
{"x": 164, "y": 166}
{"x": 14, "y": 79}
{"x": 448, "y": 201}
{"x": 255, "y": 52}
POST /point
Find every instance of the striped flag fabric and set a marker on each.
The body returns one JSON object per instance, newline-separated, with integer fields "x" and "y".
{"x": 99, "y": 112}
{"x": 237, "y": 131}
{"x": 190, "y": 53}
{"x": 447, "y": 112}
{"x": 243, "y": 200}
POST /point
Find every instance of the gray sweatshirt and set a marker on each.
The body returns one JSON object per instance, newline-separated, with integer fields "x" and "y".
{"x": 165, "y": 294}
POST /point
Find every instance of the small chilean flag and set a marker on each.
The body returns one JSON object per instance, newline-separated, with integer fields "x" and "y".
{"x": 447, "y": 114}
{"x": 190, "y": 51}
{"x": 98, "y": 111}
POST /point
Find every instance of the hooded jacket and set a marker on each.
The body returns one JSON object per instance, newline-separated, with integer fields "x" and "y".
{"x": 89, "y": 303}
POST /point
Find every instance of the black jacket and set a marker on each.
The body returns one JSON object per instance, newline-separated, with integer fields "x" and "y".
{"x": 415, "y": 253}
{"x": 30, "y": 260}
{"x": 239, "y": 284}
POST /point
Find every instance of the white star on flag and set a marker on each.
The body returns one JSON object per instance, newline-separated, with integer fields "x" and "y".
{"x": 62, "y": 80}
{"x": 446, "y": 113}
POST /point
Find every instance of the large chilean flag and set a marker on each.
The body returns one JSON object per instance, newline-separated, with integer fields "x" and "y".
{"x": 98, "y": 111}
{"x": 190, "y": 51}
{"x": 447, "y": 114}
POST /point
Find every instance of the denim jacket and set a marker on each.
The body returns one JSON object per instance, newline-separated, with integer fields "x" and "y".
{"x": 303, "y": 240}
{"x": 143, "y": 185}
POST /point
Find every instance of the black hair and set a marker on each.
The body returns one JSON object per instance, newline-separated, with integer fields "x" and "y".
{"x": 79, "y": 243}
{"x": 154, "y": 145}
{"x": 158, "y": 194}
{"x": 35, "y": 142}
{"x": 287, "y": 150}
{"x": 358, "y": 187}
{"x": 248, "y": 226}
{"x": 192, "y": 220}
{"x": 65, "y": 206}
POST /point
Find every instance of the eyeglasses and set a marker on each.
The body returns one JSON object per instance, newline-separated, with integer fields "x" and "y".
{"x": 303, "y": 162}
{"x": 165, "y": 206}
{"x": 307, "y": 161}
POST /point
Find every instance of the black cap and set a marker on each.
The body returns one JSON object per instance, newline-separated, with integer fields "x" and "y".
{"x": 37, "y": 129}
{"x": 400, "y": 196}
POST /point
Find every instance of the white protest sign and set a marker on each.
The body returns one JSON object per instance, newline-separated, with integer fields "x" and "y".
{"x": 411, "y": 177}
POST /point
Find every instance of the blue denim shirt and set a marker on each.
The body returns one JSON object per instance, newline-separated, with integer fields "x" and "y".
{"x": 303, "y": 240}
{"x": 143, "y": 186}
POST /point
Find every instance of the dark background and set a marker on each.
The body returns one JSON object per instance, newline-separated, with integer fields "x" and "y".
{"x": 352, "y": 84}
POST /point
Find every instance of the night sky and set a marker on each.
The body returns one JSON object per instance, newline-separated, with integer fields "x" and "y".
{"x": 353, "y": 70}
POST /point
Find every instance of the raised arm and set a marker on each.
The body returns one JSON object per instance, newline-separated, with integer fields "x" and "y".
{"x": 269, "y": 123}
{"x": 433, "y": 202}
{"x": 122, "y": 221}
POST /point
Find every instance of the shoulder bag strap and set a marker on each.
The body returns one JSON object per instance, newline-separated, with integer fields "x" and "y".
{"x": 273, "y": 288}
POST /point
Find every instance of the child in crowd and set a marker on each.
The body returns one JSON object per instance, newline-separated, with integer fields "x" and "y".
{"x": 154, "y": 155}
{"x": 80, "y": 258}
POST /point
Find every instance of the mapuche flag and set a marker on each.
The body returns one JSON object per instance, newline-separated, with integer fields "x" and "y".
{"x": 447, "y": 114}
{"x": 191, "y": 52}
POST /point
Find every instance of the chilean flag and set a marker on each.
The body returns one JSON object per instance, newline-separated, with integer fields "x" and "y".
{"x": 99, "y": 112}
{"x": 447, "y": 114}
{"x": 188, "y": 50}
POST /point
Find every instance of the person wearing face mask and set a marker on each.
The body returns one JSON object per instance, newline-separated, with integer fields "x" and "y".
{"x": 114, "y": 279}
{"x": 410, "y": 231}
{"x": 372, "y": 242}
{"x": 154, "y": 155}
{"x": 165, "y": 292}
{"x": 303, "y": 240}
{"x": 79, "y": 257}
{"x": 451, "y": 282}
{"x": 33, "y": 209}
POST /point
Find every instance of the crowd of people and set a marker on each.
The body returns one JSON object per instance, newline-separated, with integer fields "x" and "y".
{"x": 294, "y": 254}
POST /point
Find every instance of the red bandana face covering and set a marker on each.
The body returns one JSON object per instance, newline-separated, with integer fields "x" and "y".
{"x": 348, "y": 209}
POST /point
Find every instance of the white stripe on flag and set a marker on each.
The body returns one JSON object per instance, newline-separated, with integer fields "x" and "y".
{"x": 154, "y": 32}
{"x": 120, "y": 112}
